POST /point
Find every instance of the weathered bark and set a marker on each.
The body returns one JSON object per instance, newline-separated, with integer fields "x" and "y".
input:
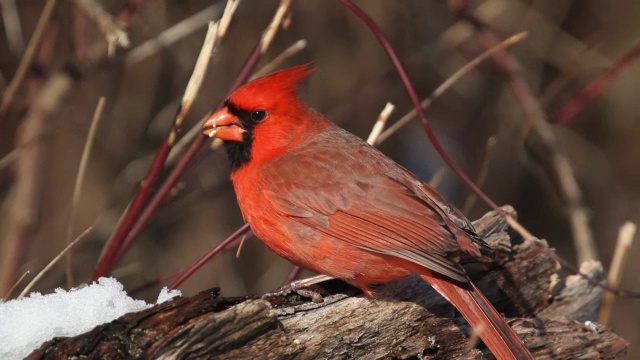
{"x": 408, "y": 320}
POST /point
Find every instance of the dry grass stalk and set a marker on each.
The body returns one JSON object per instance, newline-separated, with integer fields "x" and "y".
{"x": 195, "y": 82}
{"x": 273, "y": 27}
{"x": 12, "y": 26}
{"x": 13, "y": 288}
{"x": 447, "y": 84}
{"x": 27, "y": 59}
{"x": 292, "y": 50}
{"x": 26, "y": 191}
{"x": 379, "y": 125}
{"x": 113, "y": 32}
{"x": 77, "y": 189}
{"x": 482, "y": 174}
{"x": 52, "y": 263}
{"x": 172, "y": 34}
{"x": 625, "y": 240}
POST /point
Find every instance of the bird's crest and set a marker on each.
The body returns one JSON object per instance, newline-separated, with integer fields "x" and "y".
{"x": 269, "y": 89}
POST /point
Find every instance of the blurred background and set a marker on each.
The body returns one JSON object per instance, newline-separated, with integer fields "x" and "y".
{"x": 480, "y": 121}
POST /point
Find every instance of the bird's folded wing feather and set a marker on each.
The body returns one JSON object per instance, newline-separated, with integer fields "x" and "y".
{"x": 378, "y": 215}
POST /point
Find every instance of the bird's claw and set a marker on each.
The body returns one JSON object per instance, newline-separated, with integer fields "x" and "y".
{"x": 315, "y": 296}
{"x": 299, "y": 287}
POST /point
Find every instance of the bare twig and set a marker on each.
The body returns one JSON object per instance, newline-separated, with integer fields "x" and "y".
{"x": 159, "y": 281}
{"x": 235, "y": 244}
{"x": 561, "y": 81}
{"x": 18, "y": 282}
{"x": 299, "y": 284}
{"x": 172, "y": 34}
{"x": 625, "y": 239}
{"x": 558, "y": 161}
{"x": 227, "y": 15}
{"x": 10, "y": 157}
{"x": 193, "y": 268}
{"x": 52, "y": 263}
{"x": 578, "y": 217}
{"x": 12, "y": 26}
{"x": 494, "y": 12}
{"x": 272, "y": 29}
{"x": 179, "y": 148}
{"x": 446, "y": 85}
{"x": 118, "y": 242}
{"x": 26, "y": 190}
{"x": 244, "y": 237}
{"x": 294, "y": 273}
{"x": 130, "y": 10}
{"x": 114, "y": 32}
{"x": 379, "y": 125}
{"x": 158, "y": 199}
{"x": 49, "y": 99}
{"x": 27, "y": 59}
{"x": 569, "y": 110}
{"x": 15, "y": 153}
{"x": 527, "y": 236}
{"x": 437, "y": 178}
{"x": 472, "y": 341}
{"x": 193, "y": 87}
{"x": 292, "y": 50}
{"x": 195, "y": 82}
{"x": 482, "y": 174}
{"x": 77, "y": 189}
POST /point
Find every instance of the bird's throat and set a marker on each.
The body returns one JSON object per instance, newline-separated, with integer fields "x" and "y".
{"x": 239, "y": 153}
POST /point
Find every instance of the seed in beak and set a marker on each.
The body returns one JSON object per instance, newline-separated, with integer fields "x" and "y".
{"x": 214, "y": 130}
{"x": 224, "y": 125}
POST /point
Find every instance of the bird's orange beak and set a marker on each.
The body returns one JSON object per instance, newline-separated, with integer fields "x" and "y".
{"x": 223, "y": 125}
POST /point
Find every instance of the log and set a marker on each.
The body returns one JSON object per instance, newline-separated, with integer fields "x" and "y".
{"x": 408, "y": 320}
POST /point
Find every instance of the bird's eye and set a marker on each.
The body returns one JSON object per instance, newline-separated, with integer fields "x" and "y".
{"x": 258, "y": 115}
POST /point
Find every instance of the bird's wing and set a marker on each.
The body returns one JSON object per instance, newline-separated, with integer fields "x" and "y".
{"x": 379, "y": 214}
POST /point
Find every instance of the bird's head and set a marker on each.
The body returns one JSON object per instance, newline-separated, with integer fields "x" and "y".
{"x": 261, "y": 117}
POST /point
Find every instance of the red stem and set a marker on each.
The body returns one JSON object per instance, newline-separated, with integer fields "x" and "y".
{"x": 159, "y": 281}
{"x": 193, "y": 268}
{"x": 115, "y": 244}
{"x": 595, "y": 88}
{"x": 379, "y": 34}
{"x": 293, "y": 275}
{"x": 130, "y": 10}
{"x": 158, "y": 198}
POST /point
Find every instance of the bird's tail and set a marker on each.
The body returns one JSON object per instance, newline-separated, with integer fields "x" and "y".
{"x": 483, "y": 318}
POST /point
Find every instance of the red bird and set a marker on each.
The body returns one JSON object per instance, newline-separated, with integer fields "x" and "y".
{"x": 324, "y": 199}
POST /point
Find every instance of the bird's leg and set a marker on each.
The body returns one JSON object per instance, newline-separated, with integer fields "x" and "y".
{"x": 315, "y": 296}
{"x": 298, "y": 287}
{"x": 370, "y": 293}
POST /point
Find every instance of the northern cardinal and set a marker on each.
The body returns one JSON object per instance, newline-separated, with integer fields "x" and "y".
{"x": 324, "y": 199}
